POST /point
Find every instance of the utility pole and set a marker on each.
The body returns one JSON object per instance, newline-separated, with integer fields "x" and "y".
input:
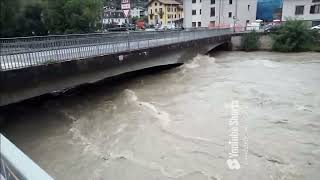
{"x": 235, "y": 18}
{"x": 126, "y": 6}
{"x": 220, "y": 13}
{"x": 102, "y": 17}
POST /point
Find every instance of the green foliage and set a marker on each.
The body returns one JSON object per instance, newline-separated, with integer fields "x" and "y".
{"x": 30, "y": 22}
{"x": 250, "y": 41}
{"x": 135, "y": 19}
{"x": 8, "y": 17}
{"x": 40, "y": 17}
{"x": 294, "y": 36}
{"x": 315, "y": 40}
{"x": 73, "y": 16}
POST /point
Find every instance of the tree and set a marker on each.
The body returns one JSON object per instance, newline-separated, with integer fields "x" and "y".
{"x": 8, "y": 16}
{"x": 73, "y": 16}
{"x": 55, "y": 17}
{"x": 293, "y": 36}
{"x": 40, "y": 17}
{"x": 30, "y": 21}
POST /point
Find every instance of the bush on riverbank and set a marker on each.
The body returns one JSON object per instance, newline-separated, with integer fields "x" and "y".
{"x": 250, "y": 41}
{"x": 316, "y": 41}
{"x": 295, "y": 36}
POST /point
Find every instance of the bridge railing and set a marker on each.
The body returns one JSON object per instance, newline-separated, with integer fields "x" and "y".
{"x": 15, "y": 165}
{"x": 16, "y": 53}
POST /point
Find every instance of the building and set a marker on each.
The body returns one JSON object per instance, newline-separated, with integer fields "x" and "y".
{"x": 219, "y": 13}
{"x": 269, "y": 10}
{"x": 114, "y": 17}
{"x": 308, "y": 10}
{"x": 138, "y": 12}
{"x": 165, "y": 13}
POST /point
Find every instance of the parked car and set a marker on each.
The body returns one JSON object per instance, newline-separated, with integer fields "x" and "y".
{"x": 316, "y": 27}
{"x": 271, "y": 28}
{"x": 150, "y": 29}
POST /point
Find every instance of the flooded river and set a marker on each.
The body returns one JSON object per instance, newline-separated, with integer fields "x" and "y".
{"x": 235, "y": 115}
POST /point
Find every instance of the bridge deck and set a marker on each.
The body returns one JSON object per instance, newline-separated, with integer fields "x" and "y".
{"x": 17, "y": 53}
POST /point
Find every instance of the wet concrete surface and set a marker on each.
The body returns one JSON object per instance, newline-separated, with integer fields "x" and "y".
{"x": 175, "y": 124}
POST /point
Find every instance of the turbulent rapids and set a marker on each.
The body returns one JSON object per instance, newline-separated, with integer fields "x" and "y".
{"x": 174, "y": 124}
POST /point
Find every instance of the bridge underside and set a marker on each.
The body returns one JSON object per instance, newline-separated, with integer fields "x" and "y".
{"x": 22, "y": 84}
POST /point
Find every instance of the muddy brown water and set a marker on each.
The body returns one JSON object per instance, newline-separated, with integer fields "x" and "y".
{"x": 175, "y": 124}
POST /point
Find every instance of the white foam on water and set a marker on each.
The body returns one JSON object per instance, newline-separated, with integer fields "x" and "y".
{"x": 266, "y": 63}
{"x": 163, "y": 116}
{"x": 196, "y": 61}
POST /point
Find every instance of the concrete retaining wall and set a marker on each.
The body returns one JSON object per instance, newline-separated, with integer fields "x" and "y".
{"x": 21, "y": 84}
{"x": 265, "y": 42}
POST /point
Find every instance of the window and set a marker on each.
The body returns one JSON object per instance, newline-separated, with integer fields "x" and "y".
{"x": 194, "y": 24}
{"x": 175, "y": 16}
{"x": 315, "y": 1}
{"x": 199, "y": 24}
{"x": 315, "y": 9}
{"x": 160, "y": 4}
{"x": 194, "y": 12}
{"x": 168, "y": 16}
{"x": 150, "y": 11}
{"x": 230, "y": 1}
{"x": 299, "y": 10}
{"x": 156, "y": 10}
{"x": 230, "y": 15}
{"x": 213, "y": 1}
{"x": 194, "y": 1}
{"x": 248, "y": 7}
{"x": 168, "y": 9}
{"x": 248, "y": 21}
{"x": 160, "y": 9}
{"x": 213, "y": 23}
{"x": 156, "y": 4}
{"x": 200, "y": 1}
{"x": 213, "y": 12}
{"x": 200, "y": 12}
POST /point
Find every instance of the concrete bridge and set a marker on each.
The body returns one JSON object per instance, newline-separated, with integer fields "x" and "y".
{"x": 34, "y": 66}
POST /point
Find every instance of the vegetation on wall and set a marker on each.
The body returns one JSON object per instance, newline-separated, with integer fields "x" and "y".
{"x": 250, "y": 41}
{"x": 295, "y": 36}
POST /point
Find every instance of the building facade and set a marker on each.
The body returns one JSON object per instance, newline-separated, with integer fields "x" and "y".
{"x": 269, "y": 10}
{"x": 308, "y": 10}
{"x": 114, "y": 17}
{"x": 138, "y": 12}
{"x": 165, "y": 13}
{"x": 219, "y": 13}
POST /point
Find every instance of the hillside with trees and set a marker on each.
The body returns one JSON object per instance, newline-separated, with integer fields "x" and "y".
{"x": 42, "y": 17}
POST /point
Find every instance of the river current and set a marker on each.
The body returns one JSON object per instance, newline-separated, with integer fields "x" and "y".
{"x": 234, "y": 115}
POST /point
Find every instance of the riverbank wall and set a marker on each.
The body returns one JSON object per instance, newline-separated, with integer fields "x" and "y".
{"x": 265, "y": 42}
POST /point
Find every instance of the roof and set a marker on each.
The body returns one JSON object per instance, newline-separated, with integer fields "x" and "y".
{"x": 173, "y": 2}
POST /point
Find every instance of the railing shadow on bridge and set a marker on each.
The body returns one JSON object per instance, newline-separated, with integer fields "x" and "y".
{"x": 17, "y": 53}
